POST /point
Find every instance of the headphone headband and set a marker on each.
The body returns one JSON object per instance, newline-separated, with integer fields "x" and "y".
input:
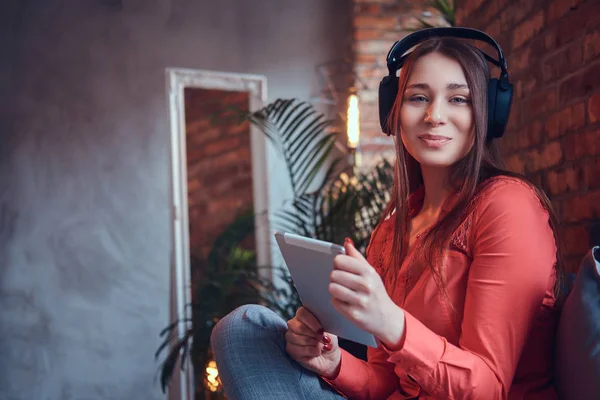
{"x": 395, "y": 58}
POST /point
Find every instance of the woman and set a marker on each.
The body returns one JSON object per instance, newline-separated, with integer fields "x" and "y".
{"x": 461, "y": 280}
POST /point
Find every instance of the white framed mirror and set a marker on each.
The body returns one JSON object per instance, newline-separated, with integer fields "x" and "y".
{"x": 249, "y": 91}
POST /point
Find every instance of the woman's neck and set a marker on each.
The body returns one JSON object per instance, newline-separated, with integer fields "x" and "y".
{"x": 435, "y": 181}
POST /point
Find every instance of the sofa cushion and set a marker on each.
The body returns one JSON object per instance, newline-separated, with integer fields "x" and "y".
{"x": 578, "y": 337}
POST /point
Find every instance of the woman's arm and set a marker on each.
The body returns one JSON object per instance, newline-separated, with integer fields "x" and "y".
{"x": 358, "y": 379}
{"x": 374, "y": 379}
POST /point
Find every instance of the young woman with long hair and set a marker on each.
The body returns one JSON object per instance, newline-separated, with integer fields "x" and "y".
{"x": 460, "y": 284}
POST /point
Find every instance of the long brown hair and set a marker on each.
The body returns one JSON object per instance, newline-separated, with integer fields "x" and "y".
{"x": 482, "y": 162}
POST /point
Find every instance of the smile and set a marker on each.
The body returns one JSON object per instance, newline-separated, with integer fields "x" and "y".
{"x": 434, "y": 140}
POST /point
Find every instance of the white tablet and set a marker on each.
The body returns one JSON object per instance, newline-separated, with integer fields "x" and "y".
{"x": 310, "y": 263}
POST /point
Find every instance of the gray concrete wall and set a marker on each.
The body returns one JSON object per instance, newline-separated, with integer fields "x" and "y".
{"x": 84, "y": 173}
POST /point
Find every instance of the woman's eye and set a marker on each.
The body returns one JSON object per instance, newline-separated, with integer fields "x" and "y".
{"x": 418, "y": 98}
{"x": 459, "y": 100}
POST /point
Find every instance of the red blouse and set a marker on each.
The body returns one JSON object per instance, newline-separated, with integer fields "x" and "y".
{"x": 497, "y": 342}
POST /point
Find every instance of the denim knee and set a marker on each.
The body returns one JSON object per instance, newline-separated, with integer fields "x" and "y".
{"x": 244, "y": 322}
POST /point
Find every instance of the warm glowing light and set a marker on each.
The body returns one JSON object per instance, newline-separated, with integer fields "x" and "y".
{"x": 353, "y": 119}
{"x": 212, "y": 376}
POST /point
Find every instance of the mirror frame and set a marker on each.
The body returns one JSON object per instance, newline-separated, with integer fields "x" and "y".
{"x": 182, "y": 386}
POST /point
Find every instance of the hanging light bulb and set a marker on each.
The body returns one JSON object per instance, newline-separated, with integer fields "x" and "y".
{"x": 353, "y": 122}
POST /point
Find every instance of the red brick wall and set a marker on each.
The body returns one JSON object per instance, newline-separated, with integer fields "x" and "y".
{"x": 553, "y": 52}
{"x": 218, "y": 162}
{"x": 377, "y": 24}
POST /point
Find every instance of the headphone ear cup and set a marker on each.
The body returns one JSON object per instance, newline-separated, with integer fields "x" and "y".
{"x": 500, "y": 94}
{"x": 388, "y": 89}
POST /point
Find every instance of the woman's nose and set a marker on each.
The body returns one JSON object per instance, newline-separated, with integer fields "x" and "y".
{"x": 434, "y": 114}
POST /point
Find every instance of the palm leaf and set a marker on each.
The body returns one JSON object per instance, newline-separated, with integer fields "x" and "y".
{"x": 298, "y": 133}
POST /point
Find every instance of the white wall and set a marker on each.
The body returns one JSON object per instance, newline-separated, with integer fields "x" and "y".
{"x": 84, "y": 171}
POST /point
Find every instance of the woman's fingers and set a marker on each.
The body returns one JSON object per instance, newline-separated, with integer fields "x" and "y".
{"x": 346, "y": 263}
{"x": 310, "y": 321}
{"x": 345, "y": 295}
{"x": 299, "y": 352}
{"x": 350, "y": 280}
{"x": 301, "y": 340}
{"x": 346, "y": 309}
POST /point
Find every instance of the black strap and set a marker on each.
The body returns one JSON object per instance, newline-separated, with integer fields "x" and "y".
{"x": 396, "y": 56}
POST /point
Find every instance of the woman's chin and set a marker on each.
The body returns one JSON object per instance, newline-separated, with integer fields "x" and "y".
{"x": 437, "y": 161}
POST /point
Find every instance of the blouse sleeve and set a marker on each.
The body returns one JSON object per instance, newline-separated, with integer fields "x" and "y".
{"x": 359, "y": 379}
{"x": 374, "y": 379}
{"x": 514, "y": 253}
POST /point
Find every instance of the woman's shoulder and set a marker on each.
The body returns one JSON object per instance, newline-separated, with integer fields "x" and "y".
{"x": 501, "y": 203}
{"x": 506, "y": 192}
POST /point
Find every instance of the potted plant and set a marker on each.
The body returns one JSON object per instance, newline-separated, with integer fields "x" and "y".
{"x": 326, "y": 204}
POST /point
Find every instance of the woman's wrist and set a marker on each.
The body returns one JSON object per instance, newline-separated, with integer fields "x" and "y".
{"x": 337, "y": 366}
{"x": 392, "y": 336}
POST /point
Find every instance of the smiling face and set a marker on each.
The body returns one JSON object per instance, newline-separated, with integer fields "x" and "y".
{"x": 436, "y": 116}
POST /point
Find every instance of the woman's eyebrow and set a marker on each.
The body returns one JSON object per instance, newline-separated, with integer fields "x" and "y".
{"x": 454, "y": 86}
{"x": 451, "y": 86}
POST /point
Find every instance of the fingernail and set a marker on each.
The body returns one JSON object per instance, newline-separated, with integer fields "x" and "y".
{"x": 327, "y": 347}
{"x": 348, "y": 241}
{"x": 326, "y": 339}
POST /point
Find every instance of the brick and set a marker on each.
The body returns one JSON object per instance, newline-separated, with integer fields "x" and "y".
{"x": 521, "y": 138}
{"x": 557, "y": 8}
{"x": 471, "y": 5}
{"x": 553, "y": 184}
{"x": 594, "y": 108}
{"x": 575, "y": 22}
{"x": 576, "y": 238}
{"x": 507, "y": 145}
{"x": 592, "y": 174}
{"x": 368, "y": 59}
{"x": 460, "y": 15}
{"x": 527, "y": 29}
{"x": 591, "y": 45}
{"x": 565, "y": 120}
{"x": 515, "y": 163}
{"x": 514, "y": 13}
{"x": 490, "y": 11}
{"x": 535, "y": 133}
{"x": 595, "y": 203}
{"x": 367, "y": 8}
{"x": 494, "y": 29}
{"x": 566, "y": 180}
{"x": 582, "y": 84}
{"x": 565, "y": 61}
{"x": 525, "y": 86}
{"x": 551, "y": 155}
{"x": 577, "y": 208}
{"x": 366, "y": 34}
{"x": 370, "y": 22}
{"x": 228, "y": 158}
{"x": 541, "y": 103}
{"x": 520, "y": 60}
{"x": 580, "y": 145}
{"x": 514, "y": 119}
{"x": 528, "y": 135}
{"x": 221, "y": 146}
{"x": 368, "y": 71}
{"x": 378, "y": 47}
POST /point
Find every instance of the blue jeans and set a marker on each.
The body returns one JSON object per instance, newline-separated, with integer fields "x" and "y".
{"x": 249, "y": 348}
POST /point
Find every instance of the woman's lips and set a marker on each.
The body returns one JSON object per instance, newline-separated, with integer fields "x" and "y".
{"x": 434, "y": 140}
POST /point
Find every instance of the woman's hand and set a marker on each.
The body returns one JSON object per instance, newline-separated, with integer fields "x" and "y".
{"x": 312, "y": 348}
{"x": 359, "y": 294}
